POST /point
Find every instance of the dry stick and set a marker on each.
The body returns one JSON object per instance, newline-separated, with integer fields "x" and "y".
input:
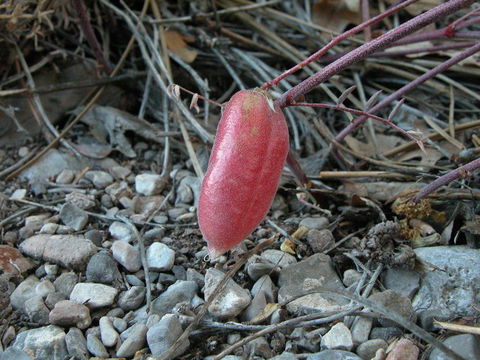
{"x": 85, "y": 109}
{"x": 219, "y": 288}
{"x": 90, "y": 34}
{"x": 334, "y": 42}
{"x": 460, "y": 172}
{"x": 377, "y": 44}
{"x": 360, "y": 174}
{"x": 410, "y": 86}
{"x": 365, "y": 10}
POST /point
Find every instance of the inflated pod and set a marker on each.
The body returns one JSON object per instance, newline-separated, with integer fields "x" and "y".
{"x": 244, "y": 170}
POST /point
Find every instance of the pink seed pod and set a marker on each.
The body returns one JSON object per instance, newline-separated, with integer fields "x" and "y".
{"x": 244, "y": 170}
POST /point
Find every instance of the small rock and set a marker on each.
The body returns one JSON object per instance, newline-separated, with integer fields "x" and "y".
{"x": 51, "y": 270}
{"x": 69, "y": 251}
{"x": 95, "y": 236}
{"x": 368, "y": 349}
{"x": 65, "y": 283}
{"x": 285, "y": 356}
{"x": 466, "y": 345}
{"x": 181, "y": 291}
{"x": 134, "y": 342}
{"x": 24, "y": 291}
{"x": 266, "y": 285}
{"x": 338, "y": 337}
{"x": 149, "y": 184}
{"x": 54, "y": 298}
{"x": 43, "y": 343}
{"x": 69, "y": 313}
{"x": 175, "y": 213}
{"x": 361, "y": 329}
{"x": 102, "y": 269}
{"x": 93, "y": 295}
{"x": 131, "y": 299}
{"x": 333, "y": 355}
{"x": 120, "y": 172}
{"x": 260, "y": 347}
{"x": 100, "y": 179}
{"x": 73, "y": 216}
{"x": 108, "y": 334}
{"x": 258, "y": 266}
{"x": 80, "y": 200}
{"x": 320, "y": 240}
{"x": 403, "y": 281}
{"x": 188, "y": 190}
{"x": 35, "y": 222}
{"x": 279, "y": 258}
{"x": 351, "y": 277}
{"x": 119, "y": 324}
{"x": 66, "y": 176}
{"x": 36, "y": 310}
{"x": 404, "y": 349}
{"x": 14, "y": 354}
{"x": 126, "y": 255}
{"x": 194, "y": 275}
{"x": 385, "y": 333}
{"x": 121, "y": 231}
{"x": 317, "y": 223}
{"x": 160, "y": 257}
{"x": 163, "y": 334}
{"x": 394, "y": 302}
{"x": 76, "y": 344}
{"x": 95, "y": 346}
{"x": 49, "y": 228}
{"x": 255, "y": 308}
{"x": 44, "y": 288}
{"x": 231, "y": 301}
{"x": 18, "y": 194}
{"x": 134, "y": 281}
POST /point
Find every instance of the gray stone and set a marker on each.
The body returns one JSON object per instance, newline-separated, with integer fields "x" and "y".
{"x": 395, "y": 303}
{"x": 333, "y": 355}
{"x": 93, "y": 295}
{"x": 44, "y": 343}
{"x": 73, "y": 216}
{"x": 351, "y": 277}
{"x": 160, "y": 257}
{"x": 54, "y": 298}
{"x": 403, "y": 281}
{"x": 66, "y": 176}
{"x": 450, "y": 285}
{"x": 108, "y": 334}
{"x": 260, "y": 347}
{"x": 95, "y": 346}
{"x": 49, "y": 228}
{"x": 119, "y": 324}
{"x": 35, "y": 222}
{"x": 179, "y": 292}
{"x": 338, "y": 337}
{"x": 317, "y": 223}
{"x": 120, "y": 231}
{"x": 120, "y": 172}
{"x": 102, "y": 268}
{"x": 134, "y": 281}
{"x": 76, "y": 344}
{"x": 194, "y": 275}
{"x": 231, "y": 301}
{"x": 134, "y": 342}
{"x": 361, "y": 329}
{"x": 100, "y": 179}
{"x": 385, "y": 333}
{"x": 466, "y": 345}
{"x": 69, "y": 251}
{"x": 368, "y": 349}
{"x": 131, "y": 299}
{"x": 266, "y": 285}
{"x": 255, "y": 308}
{"x": 279, "y": 258}
{"x": 126, "y": 255}
{"x": 163, "y": 334}
{"x": 14, "y": 354}
{"x": 188, "y": 190}
{"x": 69, "y": 313}
{"x": 24, "y": 291}
{"x": 285, "y": 356}
{"x": 258, "y": 266}
{"x": 149, "y": 184}
{"x": 65, "y": 283}
{"x": 315, "y": 272}
{"x": 36, "y": 310}
{"x": 320, "y": 240}
{"x": 80, "y": 200}
{"x": 301, "y": 339}
{"x": 95, "y": 236}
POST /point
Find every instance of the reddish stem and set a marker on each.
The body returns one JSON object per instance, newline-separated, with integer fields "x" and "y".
{"x": 365, "y": 9}
{"x": 460, "y": 172}
{"x": 334, "y": 42}
{"x": 377, "y": 44}
{"x": 410, "y": 86}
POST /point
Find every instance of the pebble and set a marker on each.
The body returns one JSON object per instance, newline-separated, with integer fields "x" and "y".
{"x": 108, "y": 334}
{"x": 43, "y": 343}
{"x": 24, "y": 291}
{"x": 194, "y": 275}
{"x": 320, "y": 240}
{"x": 317, "y": 223}
{"x": 103, "y": 269}
{"x": 35, "y": 222}
{"x": 121, "y": 231}
{"x": 351, "y": 277}
{"x": 338, "y": 337}
{"x": 51, "y": 270}
{"x": 65, "y": 283}
{"x": 403, "y": 281}
{"x": 313, "y": 272}
{"x": 44, "y": 288}
{"x": 95, "y": 236}
{"x": 131, "y": 299}
{"x": 95, "y": 346}
{"x": 14, "y": 354}
{"x": 93, "y": 295}
{"x": 285, "y": 356}
{"x": 302, "y": 340}
{"x": 368, "y": 349}
{"x": 404, "y": 349}
{"x": 73, "y": 216}
{"x": 69, "y": 313}
{"x": 255, "y": 308}
{"x": 134, "y": 280}
{"x": 466, "y": 345}
{"x": 149, "y": 184}
{"x": 120, "y": 172}
{"x": 266, "y": 285}
{"x": 80, "y": 200}
{"x": 361, "y": 329}
{"x": 333, "y": 355}
{"x": 260, "y": 347}
{"x": 188, "y": 190}
{"x": 160, "y": 257}
{"x": 18, "y": 194}
{"x": 70, "y": 251}
{"x": 66, "y": 176}
{"x": 76, "y": 344}
{"x": 385, "y": 333}
{"x": 127, "y": 255}
{"x": 164, "y": 333}
{"x": 279, "y": 258}
{"x": 100, "y": 179}
{"x": 119, "y": 324}
{"x": 54, "y": 298}
{"x": 395, "y": 303}
{"x": 258, "y": 266}
{"x": 134, "y": 342}
{"x": 231, "y": 301}
{"x": 181, "y": 291}
{"x": 36, "y": 310}
{"x": 49, "y": 228}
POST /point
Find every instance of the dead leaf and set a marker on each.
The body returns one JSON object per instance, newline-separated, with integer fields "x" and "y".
{"x": 384, "y": 144}
{"x": 336, "y": 15}
{"x": 178, "y": 44}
